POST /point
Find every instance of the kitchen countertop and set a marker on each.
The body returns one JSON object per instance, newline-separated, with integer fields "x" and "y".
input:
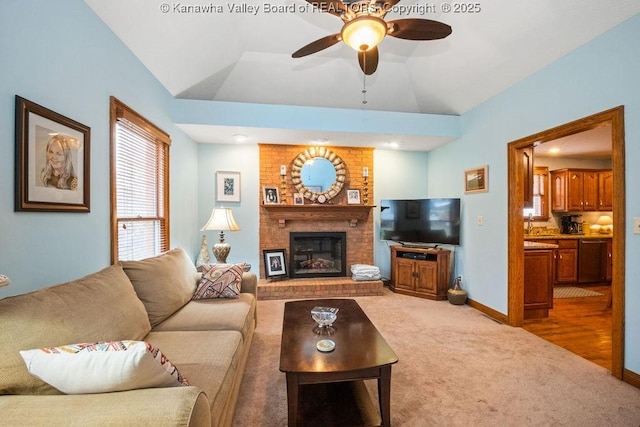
{"x": 538, "y": 245}
{"x": 566, "y": 236}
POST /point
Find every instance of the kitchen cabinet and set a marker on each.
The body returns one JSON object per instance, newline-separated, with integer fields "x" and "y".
{"x": 538, "y": 282}
{"x": 581, "y": 260}
{"x": 605, "y": 190}
{"x": 420, "y": 272}
{"x": 579, "y": 190}
{"x": 567, "y": 261}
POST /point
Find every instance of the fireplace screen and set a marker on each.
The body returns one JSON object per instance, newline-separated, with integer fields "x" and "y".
{"x": 317, "y": 254}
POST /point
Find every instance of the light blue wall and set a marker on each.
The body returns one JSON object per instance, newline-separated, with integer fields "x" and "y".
{"x": 236, "y": 158}
{"x": 598, "y": 76}
{"x": 397, "y": 175}
{"x": 60, "y": 55}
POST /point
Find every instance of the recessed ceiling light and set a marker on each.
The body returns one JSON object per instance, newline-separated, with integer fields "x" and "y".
{"x": 238, "y": 137}
{"x": 554, "y": 150}
{"x": 320, "y": 141}
{"x": 392, "y": 144}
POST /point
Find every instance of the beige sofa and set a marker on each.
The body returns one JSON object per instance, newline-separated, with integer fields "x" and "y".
{"x": 149, "y": 300}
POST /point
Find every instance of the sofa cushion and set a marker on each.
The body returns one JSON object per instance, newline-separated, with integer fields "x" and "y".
{"x": 100, "y": 307}
{"x": 213, "y": 315}
{"x": 163, "y": 283}
{"x": 103, "y": 367}
{"x": 172, "y": 406}
{"x": 219, "y": 281}
{"x": 210, "y": 359}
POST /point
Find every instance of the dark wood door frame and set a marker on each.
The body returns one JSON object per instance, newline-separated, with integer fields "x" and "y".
{"x": 515, "y": 230}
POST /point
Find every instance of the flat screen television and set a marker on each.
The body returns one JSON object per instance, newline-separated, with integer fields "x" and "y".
{"x": 420, "y": 222}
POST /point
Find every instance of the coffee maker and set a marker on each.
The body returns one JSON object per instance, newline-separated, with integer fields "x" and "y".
{"x": 571, "y": 224}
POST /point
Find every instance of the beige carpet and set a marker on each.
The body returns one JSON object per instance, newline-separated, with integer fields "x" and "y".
{"x": 457, "y": 368}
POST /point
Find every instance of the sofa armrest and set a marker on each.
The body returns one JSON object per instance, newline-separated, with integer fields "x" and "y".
{"x": 249, "y": 283}
{"x": 175, "y": 406}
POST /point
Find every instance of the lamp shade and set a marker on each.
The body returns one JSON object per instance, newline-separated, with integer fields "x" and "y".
{"x": 605, "y": 223}
{"x": 604, "y": 220}
{"x": 221, "y": 219}
{"x": 364, "y": 33}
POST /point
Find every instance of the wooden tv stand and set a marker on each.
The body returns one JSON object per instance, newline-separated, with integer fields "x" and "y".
{"x": 420, "y": 272}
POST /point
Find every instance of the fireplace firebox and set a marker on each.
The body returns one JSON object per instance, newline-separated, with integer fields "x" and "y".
{"x": 317, "y": 254}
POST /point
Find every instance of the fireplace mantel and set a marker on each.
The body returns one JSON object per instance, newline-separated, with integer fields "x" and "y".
{"x": 351, "y": 213}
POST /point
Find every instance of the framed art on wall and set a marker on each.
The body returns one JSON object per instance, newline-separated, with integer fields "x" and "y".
{"x": 52, "y": 160}
{"x": 298, "y": 199}
{"x": 476, "y": 180}
{"x": 275, "y": 264}
{"x": 227, "y": 186}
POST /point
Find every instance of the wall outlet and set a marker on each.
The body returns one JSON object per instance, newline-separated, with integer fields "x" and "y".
{"x": 636, "y": 225}
{"x": 480, "y": 220}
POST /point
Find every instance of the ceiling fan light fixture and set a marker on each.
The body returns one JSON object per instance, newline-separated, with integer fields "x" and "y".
{"x": 364, "y": 33}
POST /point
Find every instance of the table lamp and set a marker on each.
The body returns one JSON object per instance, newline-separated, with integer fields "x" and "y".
{"x": 605, "y": 223}
{"x": 221, "y": 219}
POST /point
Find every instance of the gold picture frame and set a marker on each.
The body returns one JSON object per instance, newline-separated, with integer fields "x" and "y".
{"x": 476, "y": 180}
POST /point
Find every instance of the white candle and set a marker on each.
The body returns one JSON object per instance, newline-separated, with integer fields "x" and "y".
{"x": 283, "y": 169}
{"x": 365, "y": 172}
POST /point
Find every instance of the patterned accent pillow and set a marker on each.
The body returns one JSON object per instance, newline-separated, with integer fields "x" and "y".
{"x": 219, "y": 281}
{"x": 103, "y": 367}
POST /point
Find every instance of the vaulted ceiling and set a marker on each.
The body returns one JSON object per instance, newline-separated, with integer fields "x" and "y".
{"x": 241, "y": 52}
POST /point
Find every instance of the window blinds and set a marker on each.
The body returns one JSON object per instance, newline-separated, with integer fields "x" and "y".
{"x": 141, "y": 162}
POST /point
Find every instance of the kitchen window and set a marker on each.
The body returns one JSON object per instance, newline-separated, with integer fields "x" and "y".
{"x": 540, "y": 209}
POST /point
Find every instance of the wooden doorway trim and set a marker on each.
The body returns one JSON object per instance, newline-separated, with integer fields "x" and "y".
{"x": 515, "y": 227}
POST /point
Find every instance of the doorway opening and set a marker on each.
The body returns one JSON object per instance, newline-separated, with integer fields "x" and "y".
{"x": 518, "y": 187}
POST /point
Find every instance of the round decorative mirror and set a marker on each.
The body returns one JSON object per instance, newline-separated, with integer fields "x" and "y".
{"x": 318, "y": 174}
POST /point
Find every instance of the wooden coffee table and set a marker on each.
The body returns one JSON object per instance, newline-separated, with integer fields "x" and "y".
{"x": 360, "y": 353}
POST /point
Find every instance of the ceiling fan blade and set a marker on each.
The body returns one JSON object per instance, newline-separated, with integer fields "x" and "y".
{"x": 368, "y": 61}
{"x": 418, "y": 29}
{"x": 316, "y": 46}
{"x": 334, "y": 7}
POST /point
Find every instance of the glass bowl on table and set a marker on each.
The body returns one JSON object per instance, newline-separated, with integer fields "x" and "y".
{"x": 324, "y": 317}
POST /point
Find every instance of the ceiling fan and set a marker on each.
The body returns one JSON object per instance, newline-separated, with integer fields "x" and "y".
{"x": 364, "y": 28}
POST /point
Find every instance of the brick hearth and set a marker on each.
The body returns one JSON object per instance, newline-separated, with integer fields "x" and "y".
{"x": 317, "y": 288}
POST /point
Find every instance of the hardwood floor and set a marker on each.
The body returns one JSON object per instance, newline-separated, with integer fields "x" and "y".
{"x": 580, "y": 325}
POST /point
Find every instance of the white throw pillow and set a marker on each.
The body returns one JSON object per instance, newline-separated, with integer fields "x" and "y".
{"x": 102, "y": 367}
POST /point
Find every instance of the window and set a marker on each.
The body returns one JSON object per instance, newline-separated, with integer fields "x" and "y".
{"x": 540, "y": 210}
{"x": 139, "y": 186}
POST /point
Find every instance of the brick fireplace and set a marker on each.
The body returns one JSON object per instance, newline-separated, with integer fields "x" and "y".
{"x": 355, "y": 221}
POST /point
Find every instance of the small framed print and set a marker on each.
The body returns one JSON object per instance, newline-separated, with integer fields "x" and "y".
{"x": 227, "y": 186}
{"x": 270, "y": 196}
{"x": 52, "y": 160}
{"x": 274, "y": 263}
{"x": 353, "y": 197}
{"x": 476, "y": 180}
{"x": 298, "y": 199}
